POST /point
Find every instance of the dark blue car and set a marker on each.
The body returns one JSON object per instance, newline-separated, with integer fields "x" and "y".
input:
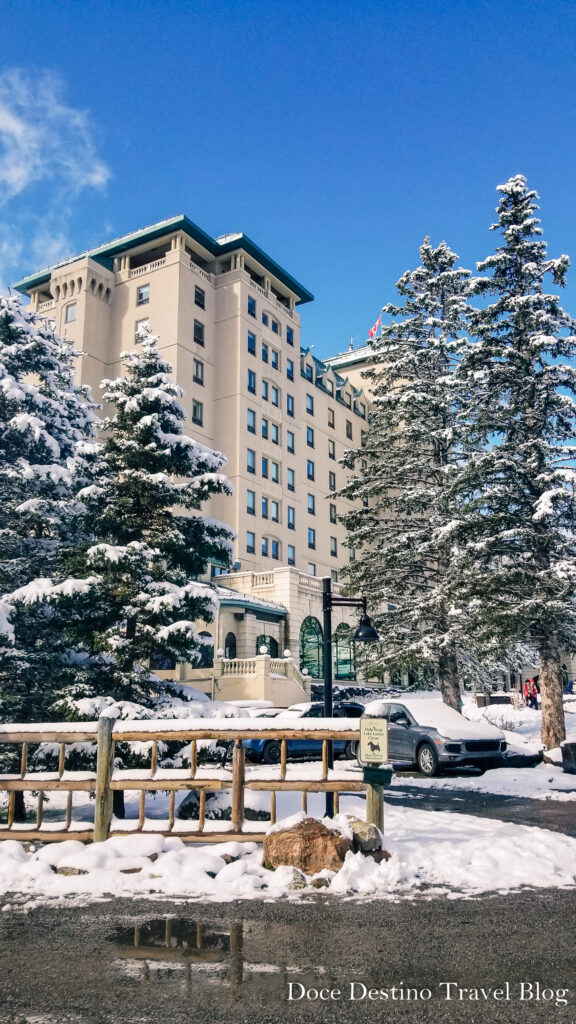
{"x": 268, "y": 751}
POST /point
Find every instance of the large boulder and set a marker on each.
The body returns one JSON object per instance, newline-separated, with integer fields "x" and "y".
{"x": 308, "y": 845}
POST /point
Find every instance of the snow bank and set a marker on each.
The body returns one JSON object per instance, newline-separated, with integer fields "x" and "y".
{"x": 432, "y": 853}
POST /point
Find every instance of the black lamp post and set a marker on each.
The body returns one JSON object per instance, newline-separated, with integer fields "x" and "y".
{"x": 365, "y": 633}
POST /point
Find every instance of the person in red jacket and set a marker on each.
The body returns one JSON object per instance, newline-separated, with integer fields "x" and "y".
{"x": 530, "y": 694}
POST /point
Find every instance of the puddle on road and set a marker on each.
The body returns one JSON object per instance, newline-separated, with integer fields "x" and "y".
{"x": 198, "y": 953}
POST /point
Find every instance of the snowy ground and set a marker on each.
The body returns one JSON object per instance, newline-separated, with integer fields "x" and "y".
{"x": 432, "y": 853}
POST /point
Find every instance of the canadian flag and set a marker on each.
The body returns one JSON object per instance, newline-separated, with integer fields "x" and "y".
{"x": 373, "y": 330}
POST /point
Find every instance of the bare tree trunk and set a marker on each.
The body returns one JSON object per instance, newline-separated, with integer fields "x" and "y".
{"x": 448, "y": 678}
{"x": 551, "y": 691}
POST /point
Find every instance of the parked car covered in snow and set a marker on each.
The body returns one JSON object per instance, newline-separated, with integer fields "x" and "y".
{"x": 429, "y": 734}
{"x": 268, "y": 750}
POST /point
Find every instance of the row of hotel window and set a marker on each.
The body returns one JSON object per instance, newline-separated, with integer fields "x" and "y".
{"x": 271, "y": 548}
{"x": 272, "y": 432}
{"x": 143, "y": 296}
{"x": 271, "y": 469}
{"x": 269, "y": 321}
{"x": 271, "y": 509}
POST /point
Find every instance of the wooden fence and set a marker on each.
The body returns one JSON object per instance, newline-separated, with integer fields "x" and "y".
{"x": 308, "y": 777}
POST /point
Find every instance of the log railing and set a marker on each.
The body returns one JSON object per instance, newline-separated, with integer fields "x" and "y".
{"x": 238, "y": 777}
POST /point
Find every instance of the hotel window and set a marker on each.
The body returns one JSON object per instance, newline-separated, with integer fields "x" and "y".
{"x": 198, "y": 372}
{"x": 198, "y": 332}
{"x": 251, "y": 503}
{"x": 250, "y": 542}
{"x": 311, "y": 537}
{"x": 251, "y": 421}
{"x": 143, "y": 294}
{"x": 333, "y": 518}
{"x": 275, "y": 396}
{"x": 310, "y": 469}
{"x": 251, "y": 343}
{"x": 311, "y": 568}
{"x": 290, "y": 369}
{"x": 290, "y": 480}
{"x": 332, "y": 481}
{"x": 275, "y": 511}
{"x": 264, "y": 508}
{"x": 334, "y": 575}
{"x": 310, "y": 405}
{"x": 197, "y": 413}
{"x": 290, "y": 441}
{"x": 199, "y": 297}
{"x": 251, "y": 382}
{"x": 274, "y": 358}
{"x": 330, "y": 417}
{"x": 331, "y": 449}
{"x": 310, "y": 437}
{"x": 264, "y": 427}
{"x": 308, "y": 371}
{"x": 250, "y": 460}
{"x": 348, "y": 430}
{"x": 290, "y": 335}
{"x": 329, "y": 385}
{"x": 290, "y": 405}
{"x": 275, "y": 433}
{"x": 264, "y": 352}
{"x": 291, "y": 517}
{"x": 291, "y": 555}
{"x": 275, "y": 546}
{"x": 264, "y": 545}
{"x": 70, "y": 312}
{"x": 265, "y": 466}
{"x": 275, "y": 473}
{"x": 311, "y": 504}
{"x": 352, "y": 554}
{"x": 265, "y": 390}
{"x": 333, "y": 547}
{"x": 275, "y": 327}
{"x": 140, "y": 325}
{"x": 251, "y": 306}
{"x": 265, "y": 319}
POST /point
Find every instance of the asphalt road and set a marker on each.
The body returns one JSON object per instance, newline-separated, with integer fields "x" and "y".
{"x": 146, "y": 961}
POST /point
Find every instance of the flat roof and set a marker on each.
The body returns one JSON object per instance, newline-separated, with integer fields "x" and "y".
{"x": 217, "y": 247}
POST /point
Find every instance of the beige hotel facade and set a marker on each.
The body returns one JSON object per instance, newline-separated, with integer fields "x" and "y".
{"x": 228, "y": 320}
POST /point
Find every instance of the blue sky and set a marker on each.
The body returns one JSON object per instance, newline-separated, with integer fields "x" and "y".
{"x": 335, "y": 134}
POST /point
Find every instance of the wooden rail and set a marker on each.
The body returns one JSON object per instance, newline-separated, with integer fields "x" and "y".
{"x": 238, "y": 777}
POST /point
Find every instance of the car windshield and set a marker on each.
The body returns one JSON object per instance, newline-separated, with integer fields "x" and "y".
{"x": 292, "y": 713}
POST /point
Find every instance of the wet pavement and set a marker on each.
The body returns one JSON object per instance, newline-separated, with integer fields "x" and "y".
{"x": 319, "y": 961}
{"x": 556, "y": 815}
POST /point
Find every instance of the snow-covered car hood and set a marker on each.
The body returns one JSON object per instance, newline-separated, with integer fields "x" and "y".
{"x": 434, "y": 714}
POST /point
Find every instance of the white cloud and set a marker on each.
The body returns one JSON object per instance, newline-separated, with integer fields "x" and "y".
{"x": 48, "y": 157}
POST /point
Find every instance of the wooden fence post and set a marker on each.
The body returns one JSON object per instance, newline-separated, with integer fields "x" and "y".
{"x": 104, "y": 767}
{"x": 238, "y": 769}
{"x": 375, "y": 806}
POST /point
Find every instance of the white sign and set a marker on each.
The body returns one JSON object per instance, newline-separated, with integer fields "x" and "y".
{"x": 373, "y": 741}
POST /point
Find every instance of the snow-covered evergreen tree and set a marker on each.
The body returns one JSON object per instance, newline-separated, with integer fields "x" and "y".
{"x": 514, "y": 504}
{"x": 152, "y": 545}
{"x": 401, "y": 472}
{"x": 46, "y": 444}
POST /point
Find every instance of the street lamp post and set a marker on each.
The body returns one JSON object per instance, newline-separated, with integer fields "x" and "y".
{"x": 364, "y": 633}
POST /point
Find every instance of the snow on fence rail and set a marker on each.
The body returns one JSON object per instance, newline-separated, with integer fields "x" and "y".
{"x": 307, "y": 777}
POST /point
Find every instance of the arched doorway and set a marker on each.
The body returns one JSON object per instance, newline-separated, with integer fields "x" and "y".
{"x": 311, "y": 647}
{"x": 269, "y": 643}
{"x": 230, "y": 645}
{"x": 344, "y": 666}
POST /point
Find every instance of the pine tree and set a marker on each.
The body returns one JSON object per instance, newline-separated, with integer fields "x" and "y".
{"x": 513, "y": 505}
{"x": 46, "y": 445}
{"x": 401, "y": 473}
{"x": 151, "y": 546}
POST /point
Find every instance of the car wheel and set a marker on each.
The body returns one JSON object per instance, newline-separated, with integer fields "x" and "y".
{"x": 271, "y": 753}
{"x": 427, "y": 760}
{"x": 351, "y": 750}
